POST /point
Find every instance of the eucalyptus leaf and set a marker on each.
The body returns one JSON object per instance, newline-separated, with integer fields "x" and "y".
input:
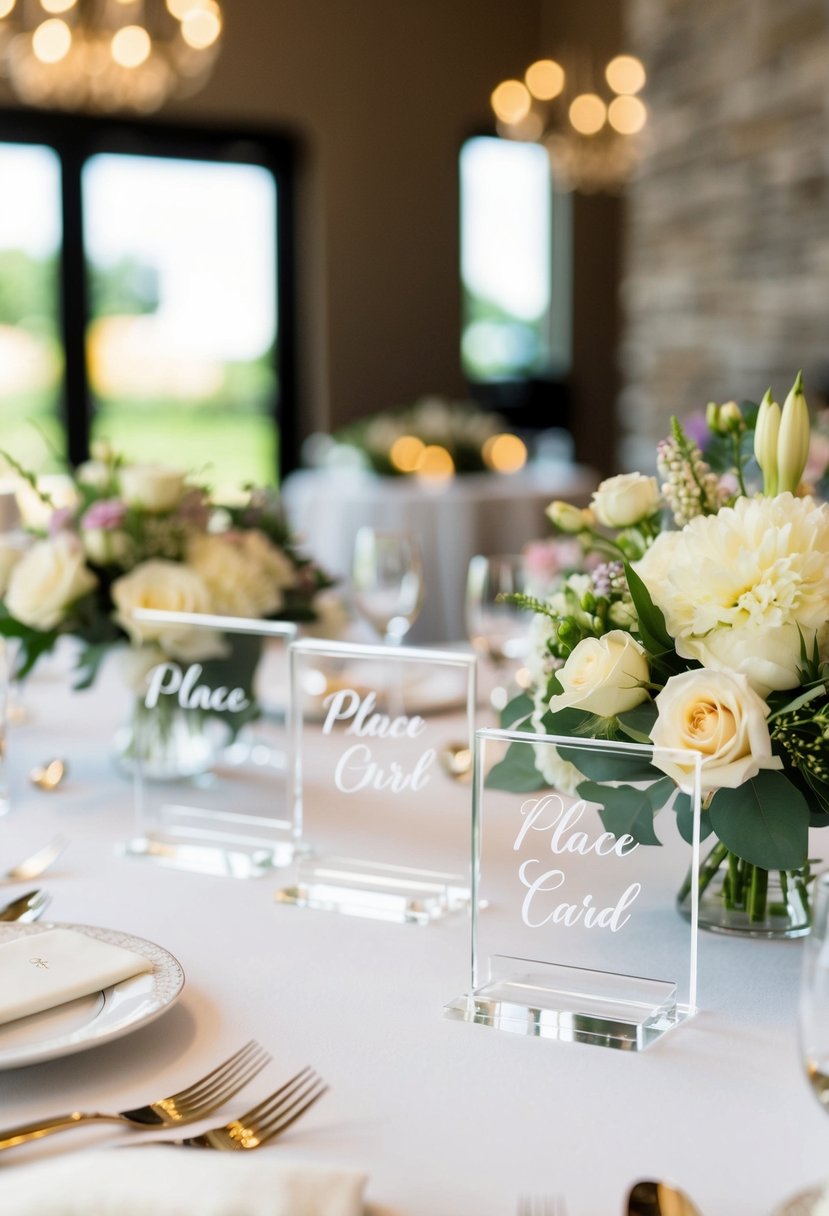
{"x": 516, "y": 712}
{"x": 608, "y": 764}
{"x": 516, "y": 772}
{"x": 623, "y": 809}
{"x": 765, "y": 821}
{"x": 683, "y": 807}
{"x": 572, "y": 722}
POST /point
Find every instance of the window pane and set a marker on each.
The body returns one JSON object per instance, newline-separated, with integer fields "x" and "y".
{"x": 31, "y": 357}
{"x": 506, "y": 260}
{"x": 181, "y": 259}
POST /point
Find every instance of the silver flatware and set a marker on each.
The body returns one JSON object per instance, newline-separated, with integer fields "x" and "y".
{"x": 651, "y": 1198}
{"x": 264, "y": 1122}
{"x": 197, "y": 1100}
{"x": 33, "y": 866}
{"x": 26, "y": 907}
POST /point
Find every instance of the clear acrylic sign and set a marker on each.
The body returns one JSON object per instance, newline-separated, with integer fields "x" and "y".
{"x": 580, "y": 848}
{"x": 208, "y": 743}
{"x": 384, "y": 818}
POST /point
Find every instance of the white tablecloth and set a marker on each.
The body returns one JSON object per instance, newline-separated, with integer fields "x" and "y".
{"x": 448, "y": 1119}
{"x": 480, "y": 513}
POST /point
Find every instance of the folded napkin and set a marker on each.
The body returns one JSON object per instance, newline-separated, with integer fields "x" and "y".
{"x": 41, "y": 970}
{"x": 155, "y": 1181}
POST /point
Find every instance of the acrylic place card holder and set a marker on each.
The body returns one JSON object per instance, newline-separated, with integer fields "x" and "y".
{"x": 385, "y": 822}
{"x": 579, "y": 849}
{"x": 208, "y": 743}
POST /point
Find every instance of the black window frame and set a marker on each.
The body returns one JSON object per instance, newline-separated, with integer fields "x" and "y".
{"x": 75, "y": 138}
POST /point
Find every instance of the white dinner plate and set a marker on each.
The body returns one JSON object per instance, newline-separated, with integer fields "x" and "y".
{"x": 95, "y": 1019}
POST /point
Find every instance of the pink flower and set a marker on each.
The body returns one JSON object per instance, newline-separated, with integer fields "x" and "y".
{"x": 60, "y": 519}
{"x": 105, "y": 515}
{"x": 545, "y": 560}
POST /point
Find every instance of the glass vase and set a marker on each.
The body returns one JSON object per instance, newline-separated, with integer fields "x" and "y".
{"x": 169, "y": 743}
{"x": 743, "y": 899}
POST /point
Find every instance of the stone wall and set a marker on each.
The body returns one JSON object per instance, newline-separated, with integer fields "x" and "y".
{"x": 725, "y": 287}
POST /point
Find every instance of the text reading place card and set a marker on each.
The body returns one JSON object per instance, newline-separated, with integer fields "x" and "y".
{"x": 208, "y": 743}
{"x": 384, "y": 821}
{"x": 580, "y": 848}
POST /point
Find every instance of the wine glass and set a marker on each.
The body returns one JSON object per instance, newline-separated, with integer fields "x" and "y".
{"x": 387, "y": 581}
{"x": 497, "y": 629}
{"x": 814, "y": 995}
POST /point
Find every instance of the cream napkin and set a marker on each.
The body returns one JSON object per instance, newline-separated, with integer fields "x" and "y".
{"x": 41, "y": 970}
{"x": 153, "y": 1181}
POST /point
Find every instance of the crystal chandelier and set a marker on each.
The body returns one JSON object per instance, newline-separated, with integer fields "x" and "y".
{"x": 592, "y": 133}
{"x": 104, "y": 55}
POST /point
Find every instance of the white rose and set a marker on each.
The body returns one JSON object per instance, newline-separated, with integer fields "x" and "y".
{"x": 719, "y": 714}
{"x": 168, "y": 587}
{"x": 558, "y": 773}
{"x": 105, "y": 546}
{"x": 151, "y": 486}
{"x": 47, "y": 580}
{"x": 621, "y": 501}
{"x": 604, "y": 676}
{"x": 245, "y": 572}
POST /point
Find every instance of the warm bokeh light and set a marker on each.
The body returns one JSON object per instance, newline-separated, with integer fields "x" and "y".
{"x": 511, "y": 101}
{"x": 435, "y": 463}
{"x": 587, "y": 113}
{"x": 505, "y": 453}
{"x": 545, "y": 79}
{"x": 405, "y": 452}
{"x": 131, "y": 46}
{"x": 201, "y": 25}
{"x": 529, "y": 129}
{"x": 625, "y": 74}
{"x": 51, "y": 40}
{"x": 180, "y": 8}
{"x": 6, "y": 7}
{"x": 627, "y": 115}
{"x": 50, "y": 6}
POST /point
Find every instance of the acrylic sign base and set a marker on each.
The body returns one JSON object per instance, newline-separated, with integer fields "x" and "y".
{"x": 573, "y": 1004}
{"x": 355, "y": 887}
{"x": 196, "y": 839}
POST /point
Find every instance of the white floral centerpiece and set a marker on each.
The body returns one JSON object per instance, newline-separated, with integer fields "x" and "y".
{"x": 703, "y": 629}
{"x": 143, "y": 536}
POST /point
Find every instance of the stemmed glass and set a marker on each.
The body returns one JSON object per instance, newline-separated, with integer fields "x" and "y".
{"x": 387, "y": 581}
{"x": 814, "y": 995}
{"x": 496, "y": 628}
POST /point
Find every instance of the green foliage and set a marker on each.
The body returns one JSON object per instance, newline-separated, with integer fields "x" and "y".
{"x": 765, "y": 821}
{"x": 516, "y": 772}
{"x": 623, "y": 810}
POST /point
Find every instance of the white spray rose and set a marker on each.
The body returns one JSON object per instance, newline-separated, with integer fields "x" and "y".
{"x": 740, "y": 588}
{"x": 151, "y": 486}
{"x": 621, "y": 501}
{"x": 718, "y": 714}
{"x": 604, "y": 676}
{"x": 47, "y": 580}
{"x": 245, "y": 573}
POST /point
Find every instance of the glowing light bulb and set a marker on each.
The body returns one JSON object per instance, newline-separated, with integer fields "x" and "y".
{"x": 511, "y": 101}
{"x": 51, "y": 40}
{"x": 545, "y": 79}
{"x": 587, "y": 113}
{"x": 627, "y": 115}
{"x": 625, "y": 74}
{"x": 130, "y": 46}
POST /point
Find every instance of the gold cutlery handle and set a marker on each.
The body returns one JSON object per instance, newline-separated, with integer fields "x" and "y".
{"x": 46, "y": 1127}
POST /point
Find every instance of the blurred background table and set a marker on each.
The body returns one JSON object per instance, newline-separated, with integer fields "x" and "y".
{"x": 485, "y": 513}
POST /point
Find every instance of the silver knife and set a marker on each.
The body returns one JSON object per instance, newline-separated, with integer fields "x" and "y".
{"x": 26, "y": 907}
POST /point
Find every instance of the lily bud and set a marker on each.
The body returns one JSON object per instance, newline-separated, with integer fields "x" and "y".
{"x": 568, "y": 518}
{"x": 731, "y": 418}
{"x": 793, "y": 438}
{"x": 765, "y": 441}
{"x": 712, "y": 417}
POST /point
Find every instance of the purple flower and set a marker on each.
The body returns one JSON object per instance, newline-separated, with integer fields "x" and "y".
{"x": 107, "y": 514}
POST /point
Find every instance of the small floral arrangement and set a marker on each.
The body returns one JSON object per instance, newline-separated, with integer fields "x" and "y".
{"x": 433, "y": 435}
{"x": 142, "y": 536}
{"x": 702, "y": 628}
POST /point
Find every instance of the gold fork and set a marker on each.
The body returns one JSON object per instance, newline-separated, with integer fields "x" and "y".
{"x": 32, "y": 866}
{"x": 197, "y": 1100}
{"x": 270, "y": 1118}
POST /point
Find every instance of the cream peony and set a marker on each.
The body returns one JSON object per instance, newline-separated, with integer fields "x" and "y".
{"x": 625, "y": 499}
{"x": 718, "y": 714}
{"x": 244, "y": 572}
{"x": 151, "y": 486}
{"x": 603, "y": 676}
{"x": 169, "y": 587}
{"x": 739, "y": 588}
{"x": 47, "y": 581}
